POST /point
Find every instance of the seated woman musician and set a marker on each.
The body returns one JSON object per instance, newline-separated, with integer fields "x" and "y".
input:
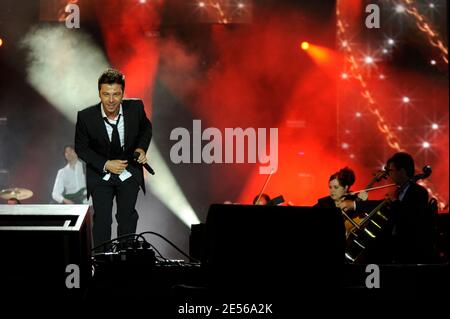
{"x": 339, "y": 185}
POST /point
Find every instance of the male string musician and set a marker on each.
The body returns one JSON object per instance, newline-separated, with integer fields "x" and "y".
{"x": 70, "y": 182}
{"x": 411, "y": 233}
{"x": 106, "y": 138}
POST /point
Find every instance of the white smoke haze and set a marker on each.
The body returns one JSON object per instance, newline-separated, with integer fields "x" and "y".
{"x": 179, "y": 68}
{"x": 64, "y": 66}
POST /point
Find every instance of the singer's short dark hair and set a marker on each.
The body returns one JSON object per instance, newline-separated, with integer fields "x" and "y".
{"x": 111, "y": 76}
{"x": 403, "y": 160}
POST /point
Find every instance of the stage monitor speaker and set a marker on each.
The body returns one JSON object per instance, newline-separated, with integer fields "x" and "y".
{"x": 265, "y": 247}
{"x": 197, "y": 241}
{"x": 46, "y": 251}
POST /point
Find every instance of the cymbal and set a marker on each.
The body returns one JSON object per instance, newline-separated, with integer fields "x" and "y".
{"x": 17, "y": 193}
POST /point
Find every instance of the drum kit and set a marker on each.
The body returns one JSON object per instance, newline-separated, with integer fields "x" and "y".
{"x": 15, "y": 194}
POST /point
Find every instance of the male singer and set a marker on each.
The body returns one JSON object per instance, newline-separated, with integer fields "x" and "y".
{"x": 107, "y": 136}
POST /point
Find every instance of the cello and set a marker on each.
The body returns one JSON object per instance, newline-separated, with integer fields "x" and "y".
{"x": 366, "y": 232}
{"x": 361, "y": 195}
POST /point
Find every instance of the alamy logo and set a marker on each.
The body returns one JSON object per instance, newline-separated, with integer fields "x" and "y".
{"x": 73, "y": 19}
{"x": 212, "y": 152}
{"x": 373, "y": 19}
{"x": 373, "y": 279}
{"x": 73, "y": 277}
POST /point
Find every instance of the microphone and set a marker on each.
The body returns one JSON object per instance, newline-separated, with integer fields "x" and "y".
{"x": 147, "y": 167}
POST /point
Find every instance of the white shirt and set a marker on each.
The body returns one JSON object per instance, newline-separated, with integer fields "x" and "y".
{"x": 68, "y": 181}
{"x": 121, "y": 128}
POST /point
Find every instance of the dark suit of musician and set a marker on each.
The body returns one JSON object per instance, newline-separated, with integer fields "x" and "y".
{"x": 412, "y": 240}
{"x": 410, "y": 235}
{"x": 93, "y": 145}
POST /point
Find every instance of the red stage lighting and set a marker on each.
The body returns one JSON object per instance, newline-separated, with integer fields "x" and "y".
{"x": 305, "y": 45}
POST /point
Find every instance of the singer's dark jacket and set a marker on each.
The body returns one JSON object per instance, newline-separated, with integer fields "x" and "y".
{"x": 92, "y": 143}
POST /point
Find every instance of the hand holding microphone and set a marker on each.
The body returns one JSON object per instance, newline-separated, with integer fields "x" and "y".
{"x": 139, "y": 156}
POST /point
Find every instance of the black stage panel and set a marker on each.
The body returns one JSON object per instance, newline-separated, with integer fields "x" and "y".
{"x": 271, "y": 249}
{"x": 44, "y": 247}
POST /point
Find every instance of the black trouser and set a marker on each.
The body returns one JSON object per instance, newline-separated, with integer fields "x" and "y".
{"x": 102, "y": 198}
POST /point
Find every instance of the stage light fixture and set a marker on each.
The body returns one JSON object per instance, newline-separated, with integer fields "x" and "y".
{"x": 400, "y": 8}
{"x": 368, "y": 60}
{"x": 305, "y": 45}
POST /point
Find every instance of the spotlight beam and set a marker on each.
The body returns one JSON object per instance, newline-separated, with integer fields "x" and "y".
{"x": 165, "y": 187}
{"x": 64, "y": 67}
